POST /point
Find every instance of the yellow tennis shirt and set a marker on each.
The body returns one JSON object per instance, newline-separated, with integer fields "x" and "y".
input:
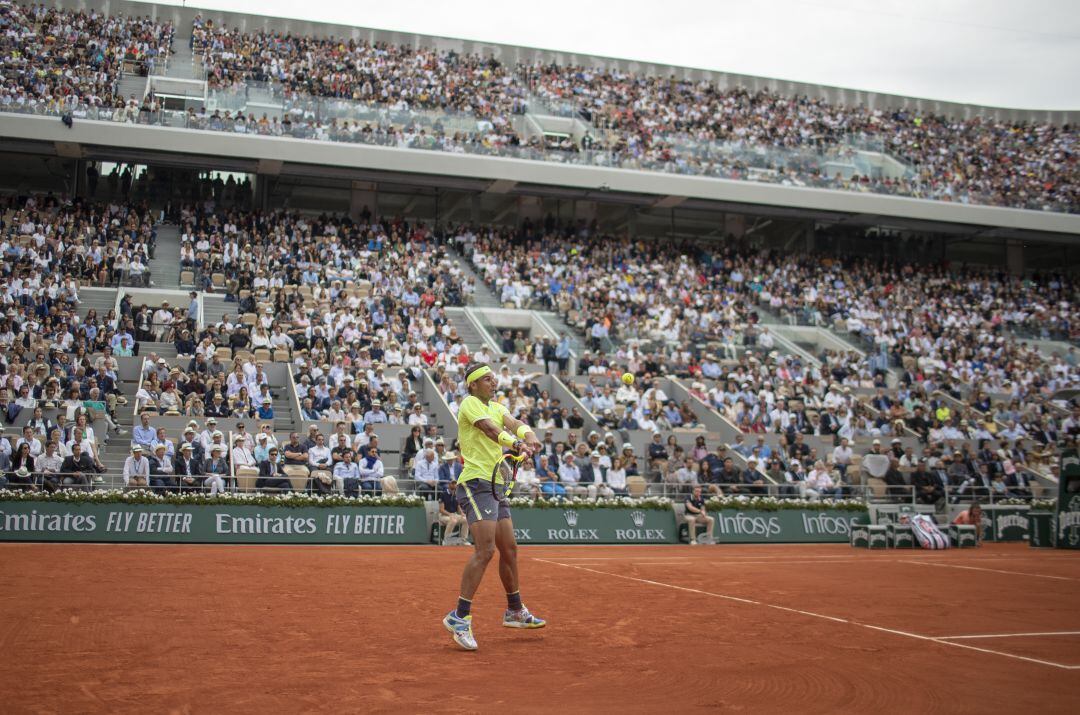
{"x": 480, "y": 452}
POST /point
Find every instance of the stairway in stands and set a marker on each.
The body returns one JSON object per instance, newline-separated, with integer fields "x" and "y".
{"x": 132, "y": 85}
{"x": 483, "y": 298}
{"x": 165, "y": 265}
{"x": 181, "y": 63}
{"x": 285, "y": 418}
{"x": 215, "y": 307}
{"x": 101, "y": 300}
{"x": 465, "y": 328}
{"x": 162, "y": 350}
{"x": 118, "y": 447}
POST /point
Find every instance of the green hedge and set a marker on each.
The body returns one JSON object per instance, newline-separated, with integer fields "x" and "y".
{"x": 773, "y": 504}
{"x": 143, "y": 496}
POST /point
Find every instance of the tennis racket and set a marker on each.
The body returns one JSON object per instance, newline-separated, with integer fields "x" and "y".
{"x": 506, "y": 467}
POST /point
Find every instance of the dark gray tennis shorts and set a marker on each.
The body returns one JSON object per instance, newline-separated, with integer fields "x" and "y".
{"x": 479, "y": 504}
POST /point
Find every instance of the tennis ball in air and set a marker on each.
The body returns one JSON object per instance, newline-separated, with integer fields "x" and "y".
{"x": 627, "y": 378}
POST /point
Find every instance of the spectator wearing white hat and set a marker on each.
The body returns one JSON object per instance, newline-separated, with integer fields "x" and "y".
{"x": 136, "y": 469}
{"x": 217, "y": 469}
{"x": 162, "y": 470}
{"x": 375, "y": 415}
{"x": 189, "y": 468}
{"x": 417, "y": 416}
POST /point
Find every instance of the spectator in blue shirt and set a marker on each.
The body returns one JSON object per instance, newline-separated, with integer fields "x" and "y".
{"x": 265, "y": 411}
{"x": 764, "y": 451}
{"x": 426, "y": 473}
{"x": 193, "y": 307}
{"x": 144, "y": 433}
{"x": 671, "y": 412}
{"x": 741, "y": 446}
{"x": 347, "y": 475}
{"x": 562, "y": 351}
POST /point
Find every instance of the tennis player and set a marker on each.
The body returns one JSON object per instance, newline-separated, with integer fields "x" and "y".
{"x": 485, "y": 427}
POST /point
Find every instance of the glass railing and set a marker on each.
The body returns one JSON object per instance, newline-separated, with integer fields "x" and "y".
{"x": 263, "y": 109}
{"x": 495, "y": 333}
{"x": 556, "y": 106}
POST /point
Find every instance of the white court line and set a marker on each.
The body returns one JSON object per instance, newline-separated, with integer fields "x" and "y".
{"x": 979, "y": 568}
{"x": 837, "y": 560}
{"x": 702, "y": 557}
{"x": 793, "y": 561}
{"x": 618, "y": 558}
{"x": 651, "y": 563}
{"x": 1011, "y": 635}
{"x": 752, "y": 602}
{"x": 711, "y": 562}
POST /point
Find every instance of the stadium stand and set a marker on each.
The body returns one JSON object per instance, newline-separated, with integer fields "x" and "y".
{"x": 56, "y": 59}
{"x": 960, "y": 387}
{"x": 326, "y": 88}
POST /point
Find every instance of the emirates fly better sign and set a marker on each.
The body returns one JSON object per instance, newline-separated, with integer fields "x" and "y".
{"x": 45, "y": 521}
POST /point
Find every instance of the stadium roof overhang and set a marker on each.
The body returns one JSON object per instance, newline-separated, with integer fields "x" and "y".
{"x": 431, "y": 171}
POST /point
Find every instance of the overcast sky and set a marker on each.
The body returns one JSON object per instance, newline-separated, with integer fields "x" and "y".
{"x": 1008, "y": 53}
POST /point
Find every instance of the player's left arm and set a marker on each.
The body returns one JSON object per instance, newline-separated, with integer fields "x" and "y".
{"x": 514, "y": 426}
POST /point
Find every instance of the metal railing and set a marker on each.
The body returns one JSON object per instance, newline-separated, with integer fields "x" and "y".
{"x": 948, "y": 498}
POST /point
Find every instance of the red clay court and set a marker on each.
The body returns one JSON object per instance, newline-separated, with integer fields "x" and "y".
{"x": 818, "y": 628}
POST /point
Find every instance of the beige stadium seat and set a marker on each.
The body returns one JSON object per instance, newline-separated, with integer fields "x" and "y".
{"x": 298, "y": 476}
{"x": 245, "y": 294}
{"x": 263, "y": 355}
{"x": 187, "y": 278}
{"x": 636, "y": 486}
{"x": 246, "y": 478}
{"x": 224, "y": 353}
{"x": 249, "y": 318}
{"x": 282, "y": 355}
{"x": 217, "y": 280}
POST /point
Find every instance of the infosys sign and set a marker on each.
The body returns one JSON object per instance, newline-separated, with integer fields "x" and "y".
{"x": 44, "y": 521}
{"x": 786, "y": 525}
{"x": 594, "y": 526}
{"x": 624, "y": 526}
